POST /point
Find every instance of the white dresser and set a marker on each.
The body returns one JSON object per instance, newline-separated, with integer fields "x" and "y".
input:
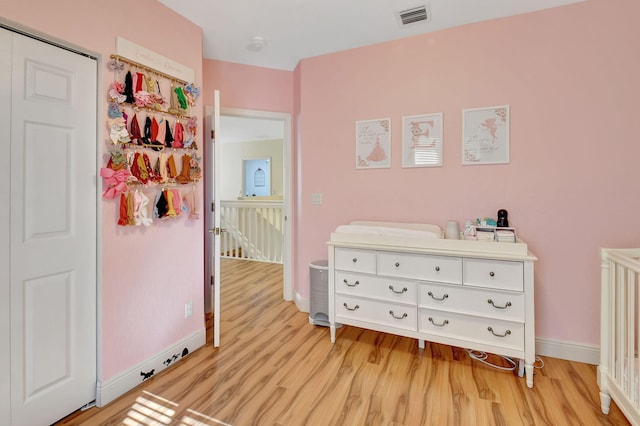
{"x": 469, "y": 294}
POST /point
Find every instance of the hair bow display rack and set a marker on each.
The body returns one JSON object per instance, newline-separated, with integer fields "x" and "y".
{"x": 173, "y": 79}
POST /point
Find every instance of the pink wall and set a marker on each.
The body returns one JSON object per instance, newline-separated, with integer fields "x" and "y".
{"x": 147, "y": 274}
{"x": 248, "y": 87}
{"x": 570, "y": 76}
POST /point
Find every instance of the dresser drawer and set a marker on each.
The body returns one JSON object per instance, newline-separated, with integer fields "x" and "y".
{"x": 391, "y": 289}
{"x": 506, "y": 334}
{"x": 498, "y": 274}
{"x": 421, "y": 266}
{"x": 355, "y": 260}
{"x": 501, "y": 305}
{"x": 376, "y": 312}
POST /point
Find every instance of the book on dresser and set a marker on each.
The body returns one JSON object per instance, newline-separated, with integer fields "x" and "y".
{"x": 471, "y": 294}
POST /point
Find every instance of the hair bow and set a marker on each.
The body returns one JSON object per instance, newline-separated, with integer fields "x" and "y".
{"x": 115, "y": 180}
{"x": 115, "y": 65}
{"x": 117, "y": 97}
{"x": 191, "y": 125}
{"x": 192, "y": 89}
{"x": 114, "y": 110}
{"x": 117, "y": 86}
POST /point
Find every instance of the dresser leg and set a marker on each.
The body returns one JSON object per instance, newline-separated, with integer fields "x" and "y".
{"x": 421, "y": 343}
{"x": 528, "y": 369}
{"x": 332, "y": 327}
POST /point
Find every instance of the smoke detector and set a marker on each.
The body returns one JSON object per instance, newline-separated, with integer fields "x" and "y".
{"x": 415, "y": 14}
{"x": 256, "y": 43}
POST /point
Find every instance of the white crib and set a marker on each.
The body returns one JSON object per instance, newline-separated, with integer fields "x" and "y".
{"x": 618, "y": 372}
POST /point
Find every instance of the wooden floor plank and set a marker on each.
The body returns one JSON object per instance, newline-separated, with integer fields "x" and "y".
{"x": 274, "y": 368}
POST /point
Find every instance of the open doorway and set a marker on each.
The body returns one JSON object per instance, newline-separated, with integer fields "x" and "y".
{"x": 244, "y": 136}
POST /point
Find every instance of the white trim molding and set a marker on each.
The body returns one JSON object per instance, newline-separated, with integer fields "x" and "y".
{"x": 304, "y": 305}
{"x": 571, "y": 351}
{"x": 108, "y": 391}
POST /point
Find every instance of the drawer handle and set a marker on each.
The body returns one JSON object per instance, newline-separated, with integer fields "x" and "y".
{"x": 445, "y": 322}
{"x": 436, "y": 298}
{"x": 351, "y": 309}
{"x": 351, "y": 285}
{"x": 506, "y": 333}
{"x": 355, "y": 259}
{"x": 404, "y": 290}
{"x": 506, "y": 305}
{"x": 437, "y": 269}
{"x": 397, "y": 264}
{"x": 401, "y": 317}
{"x": 492, "y": 274}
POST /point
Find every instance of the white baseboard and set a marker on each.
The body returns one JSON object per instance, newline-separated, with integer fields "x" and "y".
{"x": 572, "y": 351}
{"x": 304, "y": 305}
{"x": 121, "y": 384}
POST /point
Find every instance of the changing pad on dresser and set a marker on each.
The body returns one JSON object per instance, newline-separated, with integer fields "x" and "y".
{"x": 419, "y": 236}
{"x": 418, "y": 230}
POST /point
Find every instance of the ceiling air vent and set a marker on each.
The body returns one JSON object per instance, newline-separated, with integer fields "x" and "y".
{"x": 415, "y": 14}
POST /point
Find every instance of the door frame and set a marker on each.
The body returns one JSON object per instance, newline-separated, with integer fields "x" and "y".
{"x": 285, "y": 117}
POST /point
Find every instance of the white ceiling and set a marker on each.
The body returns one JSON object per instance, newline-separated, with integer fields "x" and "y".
{"x": 298, "y": 29}
{"x": 245, "y": 129}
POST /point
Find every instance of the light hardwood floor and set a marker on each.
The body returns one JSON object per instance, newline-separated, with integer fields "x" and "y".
{"x": 274, "y": 368}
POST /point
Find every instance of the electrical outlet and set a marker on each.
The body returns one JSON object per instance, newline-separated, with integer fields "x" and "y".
{"x": 316, "y": 198}
{"x": 188, "y": 309}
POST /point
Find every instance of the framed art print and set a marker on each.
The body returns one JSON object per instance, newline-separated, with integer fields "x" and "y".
{"x": 422, "y": 140}
{"x": 373, "y": 144}
{"x": 485, "y": 135}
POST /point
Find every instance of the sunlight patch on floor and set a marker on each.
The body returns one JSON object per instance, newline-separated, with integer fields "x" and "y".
{"x": 188, "y": 421}
{"x": 154, "y": 410}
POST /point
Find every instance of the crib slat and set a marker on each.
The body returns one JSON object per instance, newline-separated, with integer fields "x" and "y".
{"x": 633, "y": 339}
{"x": 613, "y": 291}
{"x": 620, "y": 325}
{"x": 629, "y": 356}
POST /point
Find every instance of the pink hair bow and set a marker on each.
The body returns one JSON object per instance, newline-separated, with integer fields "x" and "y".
{"x": 115, "y": 180}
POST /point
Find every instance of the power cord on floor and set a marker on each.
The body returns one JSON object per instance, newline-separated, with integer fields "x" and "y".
{"x": 513, "y": 364}
{"x": 483, "y": 356}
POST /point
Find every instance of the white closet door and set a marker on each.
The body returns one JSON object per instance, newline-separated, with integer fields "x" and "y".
{"x": 53, "y": 231}
{"x": 5, "y": 131}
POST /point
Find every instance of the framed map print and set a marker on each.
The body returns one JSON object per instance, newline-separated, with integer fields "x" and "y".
{"x": 485, "y": 135}
{"x": 422, "y": 140}
{"x": 373, "y": 144}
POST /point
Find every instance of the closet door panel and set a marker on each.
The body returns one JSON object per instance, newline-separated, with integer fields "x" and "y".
{"x": 47, "y": 186}
{"x": 48, "y": 312}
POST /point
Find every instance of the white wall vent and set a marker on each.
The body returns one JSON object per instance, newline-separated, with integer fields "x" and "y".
{"x": 415, "y": 14}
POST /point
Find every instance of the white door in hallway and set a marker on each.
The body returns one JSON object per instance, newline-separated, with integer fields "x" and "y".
{"x": 212, "y": 198}
{"x": 51, "y": 229}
